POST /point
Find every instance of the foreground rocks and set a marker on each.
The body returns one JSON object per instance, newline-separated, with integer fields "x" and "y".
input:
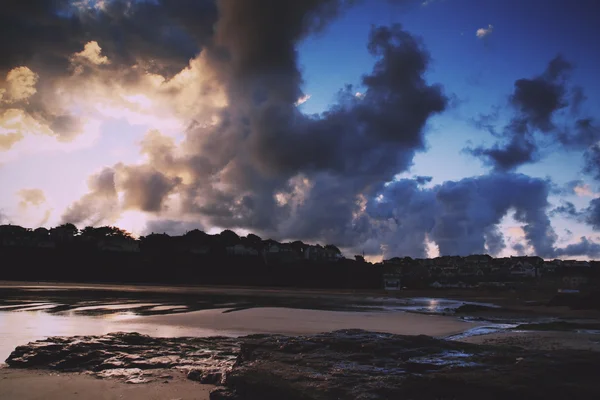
{"x": 133, "y": 357}
{"x": 350, "y": 364}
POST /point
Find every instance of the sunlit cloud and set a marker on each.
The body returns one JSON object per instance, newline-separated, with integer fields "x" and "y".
{"x": 21, "y": 82}
{"x": 431, "y": 248}
{"x": 584, "y": 190}
{"x": 484, "y": 32}
{"x": 31, "y": 197}
{"x": 92, "y": 53}
{"x": 303, "y": 99}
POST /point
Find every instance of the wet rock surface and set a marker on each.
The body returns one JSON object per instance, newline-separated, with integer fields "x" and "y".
{"x": 349, "y": 364}
{"x": 133, "y": 357}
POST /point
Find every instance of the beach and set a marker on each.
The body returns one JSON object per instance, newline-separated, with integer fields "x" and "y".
{"x": 177, "y": 326}
{"x": 289, "y": 321}
{"x": 18, "y": 384}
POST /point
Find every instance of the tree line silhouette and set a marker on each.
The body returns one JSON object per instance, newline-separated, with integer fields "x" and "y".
{"x": 110, "y": 254}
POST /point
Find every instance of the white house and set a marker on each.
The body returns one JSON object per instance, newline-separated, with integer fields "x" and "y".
{"x": 523, "y": 269}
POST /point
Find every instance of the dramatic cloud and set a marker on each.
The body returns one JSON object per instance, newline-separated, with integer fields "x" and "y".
{"x": 303, "y": 99}
{"x": 259, "y": 163}
{"x": 484, "y": 32}
{"x": 462, "y": 217}
{"x": 21, "y": 83}
{"x": 90, "y": 53}
{"x": 74, "y": 60}
{"x": 585, "y": 247}
{"x": 584, "y": 190}
{"x": 567, "y": 209}
{"x": 592, "y": 162}
{"x": 592, "y": 214}
{"x": 220, "y": 84}
{"x": 98, "y": 206}
{"x": 536, "y": 103}
{"x": 144, "y": 188}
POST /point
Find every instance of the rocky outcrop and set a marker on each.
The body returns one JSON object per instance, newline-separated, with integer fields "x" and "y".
{"x": 131, "y": 355}
{"x": 362, "y": 365}
{"x": 349, "y": 364}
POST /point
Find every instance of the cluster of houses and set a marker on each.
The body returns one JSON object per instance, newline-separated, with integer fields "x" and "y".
{"x": 437, "y": 272}
{"x": 484, "y": 270}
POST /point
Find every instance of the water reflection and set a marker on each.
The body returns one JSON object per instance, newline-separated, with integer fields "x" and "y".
{"x": 37, "y": 312}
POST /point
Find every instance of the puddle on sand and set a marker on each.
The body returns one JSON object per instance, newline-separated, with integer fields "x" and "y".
{"x": 482, "y": 330}
{"x": 168, "y": 308}
{"x": 447, "y": 358}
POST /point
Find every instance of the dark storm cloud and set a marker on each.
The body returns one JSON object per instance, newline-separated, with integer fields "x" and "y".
{"x": 567, "y": 210}
{"x": 379, "y": 131}
{"x": 585, "y": 247}
{"x": 518, "y": 151}
{"x": 584, "y": 133}
{"x": 265, "y": 146}
{"x": 267, "y": 167}
{"x": 144, "y": 187}
{"x": 462, "y": 217}
{"x": 163, "y": 34}
{"x": 592, "y": 214}
{"x": 135, "y": 37}
{"x": 536, "y": 103}
{"x": 592, "y": 162}
{"x": 538, "y": 99}
{"x": 589, "y": 215}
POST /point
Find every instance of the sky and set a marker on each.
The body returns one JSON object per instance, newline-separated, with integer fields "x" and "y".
{"x": 389, "y": 127}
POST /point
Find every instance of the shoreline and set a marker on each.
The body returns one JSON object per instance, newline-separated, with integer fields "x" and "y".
{"x": 350, "y": 363}
{"x": 295, "y": 321}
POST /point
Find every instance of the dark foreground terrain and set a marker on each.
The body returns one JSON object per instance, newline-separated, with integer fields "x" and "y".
{"x": 350, "y": 364}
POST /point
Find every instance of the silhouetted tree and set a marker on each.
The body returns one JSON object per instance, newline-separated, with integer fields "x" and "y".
{"x": 41, "y": 233}
{"x": 254, "y": 239}
{"x": 104, "y": 232}
{"x": 196, "y": 236}
{"x": 66, "y": 230}
{"x": 229, "y": 238}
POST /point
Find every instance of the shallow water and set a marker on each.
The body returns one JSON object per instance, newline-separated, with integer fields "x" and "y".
{"x": 32, "y": 312}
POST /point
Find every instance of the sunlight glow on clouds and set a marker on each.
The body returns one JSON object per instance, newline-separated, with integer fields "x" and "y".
{"x": 21, "y": 83}
{"x": 90, "y": 53}
{"x": 484, "y": 32}
{"x": 303, "y": 99}
{"x": 208, "y": 131}
{"x": 584, "y": 190}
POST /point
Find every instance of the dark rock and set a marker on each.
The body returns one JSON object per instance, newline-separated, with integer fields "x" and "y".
{"x": 206, "y": 377}
{"x": 341, "y": 365}
{"x": 361, "y": 365}
{"x": 224, "y": 394}
{"x": 129, "y": 351}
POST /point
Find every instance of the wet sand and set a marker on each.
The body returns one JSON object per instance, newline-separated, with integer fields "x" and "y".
{"x": 35, "y": 384}
{"x": 290, "y": 321}
{"x": 542, "y": 341}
